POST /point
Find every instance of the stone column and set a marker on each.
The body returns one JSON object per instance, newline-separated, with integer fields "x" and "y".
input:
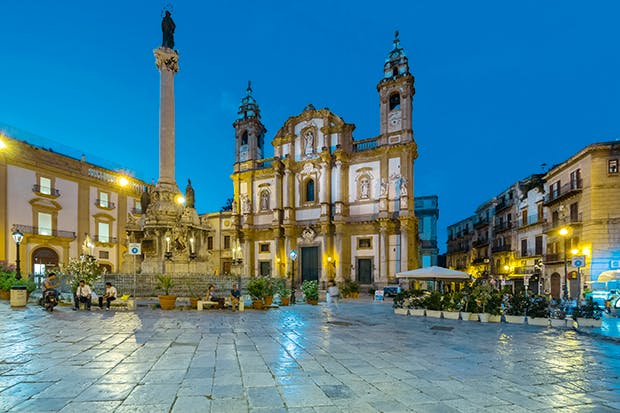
{"x": 167, "y": 61}
{"x": 383, "y": 250}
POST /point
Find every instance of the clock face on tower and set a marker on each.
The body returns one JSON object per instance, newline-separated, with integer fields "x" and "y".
{"x": 394, "y": 120}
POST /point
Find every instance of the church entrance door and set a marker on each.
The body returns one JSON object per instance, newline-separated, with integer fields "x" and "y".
{"x": 364, "y": 270}
{"x": 310, "y": 263}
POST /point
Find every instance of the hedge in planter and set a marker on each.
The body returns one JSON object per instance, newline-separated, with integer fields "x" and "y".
{"x": 311, "y": 291}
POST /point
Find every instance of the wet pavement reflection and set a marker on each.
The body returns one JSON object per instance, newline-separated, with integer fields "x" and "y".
{"x": 360, "y": 357}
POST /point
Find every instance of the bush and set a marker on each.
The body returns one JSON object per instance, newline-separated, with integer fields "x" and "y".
{"x": 538, "y": 307}
{"x": 257, "y": 288}
{"x": 588, "y": 310}
{"x": 164, "y": 283}
{"x": 433, "y": 301}
{"x": 310, "y": 289}
{"x": 409, "y": 299}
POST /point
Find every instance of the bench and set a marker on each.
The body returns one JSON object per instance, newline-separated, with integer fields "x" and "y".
{"x": 122, "y": 303}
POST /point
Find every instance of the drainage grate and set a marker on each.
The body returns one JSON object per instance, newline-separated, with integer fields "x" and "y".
{"x": 442, "y": 328}
{"x": 340, "y": 323}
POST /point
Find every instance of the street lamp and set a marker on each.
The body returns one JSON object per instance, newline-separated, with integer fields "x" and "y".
{"x": 17, "y": 237}
{"x": 564, "y": 234}
{"x": 293, "y": 256}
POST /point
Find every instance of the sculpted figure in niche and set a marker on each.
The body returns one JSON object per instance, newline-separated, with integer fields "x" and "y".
{"x": 364, "y": 188}
{"x": 245, "y": 204}
{"x": 384, "y": 187}
{"x": 264, "y": 200}
{"x": 309, "y": 142}
{"x": 403, "y": 186}
{"x": 167, "y": 28}
{"x": 145, "y": 200}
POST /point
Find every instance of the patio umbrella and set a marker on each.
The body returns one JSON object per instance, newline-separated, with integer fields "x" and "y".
{"x": 609, "y": 276}
{"x": 434, "y": 273}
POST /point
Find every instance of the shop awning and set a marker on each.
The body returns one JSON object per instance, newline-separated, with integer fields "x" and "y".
{"x": 609, "y": 276}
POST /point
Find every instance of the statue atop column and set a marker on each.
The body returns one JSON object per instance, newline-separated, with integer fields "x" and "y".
{"x": 189, "y": 194}
{"x": 145, "y": 200}
{"x": 167, "y": 28}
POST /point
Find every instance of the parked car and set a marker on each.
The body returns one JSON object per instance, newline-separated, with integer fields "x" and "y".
{"x": 391, "y": 290}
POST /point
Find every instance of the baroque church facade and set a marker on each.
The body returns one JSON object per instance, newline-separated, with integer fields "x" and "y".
{"x": 342, "y": 207}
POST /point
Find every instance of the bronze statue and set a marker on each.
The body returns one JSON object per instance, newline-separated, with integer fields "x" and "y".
{"x": 167, "y": 28}
{"x": 145, "y": 200}
{"x": 189, "y": 195}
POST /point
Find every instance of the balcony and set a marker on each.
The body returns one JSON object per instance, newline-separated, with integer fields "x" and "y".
{"x": 503, "y": 204}
{"x": 27, "y": 229}
{"x": 553, "y": 258}
{"x": 457, "y": 248}
{"x": 528, "y": 253}
{"x": 104, "y": 239}
{"x": 504, "y": 226}
{"x": 365, "y": 144}
{"x": 528, "y": 269}
{"x": 574, "y": 220}
{"x": 479, "y": 261}
{"x": 566, "y": 190}
{"x": 45, "y": 190}
{"x": 480, "y": 243}
{"x": 501, "y": 248}
{"x": 105, "y": 204}
{"x": 530, "y": 220}
{"x": 481, "y": 223}
{"x": 428, "y": 243}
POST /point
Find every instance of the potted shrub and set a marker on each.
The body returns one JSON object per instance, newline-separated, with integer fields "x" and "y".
{"x": 354, "y": 289}
{"x": 494, "y": 307}
{"x": 433, "y": 304}
{"x": 464, "y": 304}
{"x": 399, "y": 303}
{"x": 538, "y": 311}
{"x": 311, "y": 291}
{"x": 7, "y": 280}
{"x": 166, "y": 301}
{"x": 482, "y": 294}
{"x": 193, "y": 293}
{"x": 557, "y": 314}
{"x": 451, "y": 303}
{"x": 345, "y": 290}
{"x": 257, "y": 287}
{"x": 588, "y": 315}
{"x": 270, "y": 291}
{"x": 515, "y": 309}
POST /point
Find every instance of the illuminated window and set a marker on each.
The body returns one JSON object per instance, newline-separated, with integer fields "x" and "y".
{"x": 45, "y": 185}
{"x": 103, "y": 232}
{"x": 44, "y": 223}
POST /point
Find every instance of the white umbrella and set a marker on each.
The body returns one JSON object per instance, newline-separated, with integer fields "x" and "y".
{"x": 609, "y": 276}
{"x": 434, "y": 273}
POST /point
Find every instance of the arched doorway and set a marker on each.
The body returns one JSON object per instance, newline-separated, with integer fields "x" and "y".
{"x": 555, "y": 285}
{"x": 43, "y": 259}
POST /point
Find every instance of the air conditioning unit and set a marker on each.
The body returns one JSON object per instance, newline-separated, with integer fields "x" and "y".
{"x": 614, "y": 264}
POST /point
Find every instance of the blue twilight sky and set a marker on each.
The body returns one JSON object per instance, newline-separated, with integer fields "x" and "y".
{"x": 501, "y": 87}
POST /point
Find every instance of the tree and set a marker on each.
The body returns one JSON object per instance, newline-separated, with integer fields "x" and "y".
{"x": 228, "y": 205}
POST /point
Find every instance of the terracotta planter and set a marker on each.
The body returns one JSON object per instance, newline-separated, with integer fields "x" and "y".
{"x": 401, "y": 311}
{"x": 268, "y": 300}
{"x": 495, "y": 318}
{"x": 285, "y": 301}
{"x": 465, "y": 315}
{"x": 433, "y": 313}
{"x": 312, "y": 302}
{"x": 257, "y": 305}
{"x": 483, "y": 317}
{"x": 451, "y": 315}
{"x": 515, "y": 319}
{"x": 557, "y": 323}
{"x": 419, "y": 312}
{"x": 588, "y": 322}
{"x": 538, "y": 321}
{"x": 167, "y": 302}
{"x": 193, "y": 302}
{"x": 5, "y": 294}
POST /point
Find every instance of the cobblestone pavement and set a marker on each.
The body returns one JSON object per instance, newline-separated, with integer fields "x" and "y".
{"x": 359, "y": 358}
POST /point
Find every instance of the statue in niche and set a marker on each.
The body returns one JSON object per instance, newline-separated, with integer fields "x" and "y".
{"x": 145, "y": 200}
{"x": 309, "y": 142}
{"x": 167, "y": 28}
{"x": 179, "y": 235}
{"x": 246, "y": 206}
{"x": 189, "y": 195}
{"x": 264, "y": 200}
{"x": 384, "y": 187}
{"x": 364, "y": 188}
{"x": 403, "y": 186}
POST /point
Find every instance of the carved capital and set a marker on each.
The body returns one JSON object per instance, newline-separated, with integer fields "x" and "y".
{"x": 167, "y": 59}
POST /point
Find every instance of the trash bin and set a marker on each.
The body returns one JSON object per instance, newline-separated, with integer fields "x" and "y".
{"x": 19, "y": 296}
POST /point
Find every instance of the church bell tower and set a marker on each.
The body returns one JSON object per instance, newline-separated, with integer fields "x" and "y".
{"x": 249, "y": 130}
{"x": 396, "y": 92}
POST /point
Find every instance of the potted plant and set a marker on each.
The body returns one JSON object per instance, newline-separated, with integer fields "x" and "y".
{"x": 354, "y": 289}
{"x": 515, "y": 309}
{"x": 193, "y": 293}
{"x": 482, "y": 294}
{"x": 401, "y": 303}
{"x": 7, "y": 280}
{"x": 450, "y": 303}
{"x": 257, "y": 287}
{"x": 557, "y": 314}
{"x": 433, "y": 304}
{"x": 588, "y": 315}
{"x": 494, "y": 307}
{"x": 345, "y": 290}
{"x": 538, "y": 311}
{"x": 311, "y": 291}
{"x": 279, "y": 288}
{"x": 270, "y": 290}
{"x": 464, "y": 304}
{"x": 166, "y": 301}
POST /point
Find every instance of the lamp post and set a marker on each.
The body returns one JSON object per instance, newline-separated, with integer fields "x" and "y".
{"x": 17, "y": 237}
{"x": 293, "y": 256}
{"x": 564, "y": 234}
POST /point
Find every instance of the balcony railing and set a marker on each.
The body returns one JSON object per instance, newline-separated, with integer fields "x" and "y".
{"x": 530, "y": 220}
{"x": 528, "y": 253}
{"x": 480, "y": 242}
{"x": 528, "y": 269}
{"x": 27, "y": 229}
{"x": 503, "y": 204}
{"x": 45, "y": 190}
{"x": 564, "y": 191}
{"x": 501, "y": 248}
{"x": 365, "y": 144}
{"x": 104, "y": 239}
{"x": 478, "y": 261}
{"x": 481, "y": 223}
{"x": 428, "y": 243}
{"x": 457, "y": 248}
{"x": 569, "y": 220}
{"x": 504, "y": 226}
{"x": 555, "y": 257}
{"x": 102, "y": 203}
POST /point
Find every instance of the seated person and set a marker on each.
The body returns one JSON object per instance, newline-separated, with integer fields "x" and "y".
{"x": 109, "y": 296}
{"x": 83, "y": 294}
{"x": 235, "y": 295}
{"x": 50, "y": 284}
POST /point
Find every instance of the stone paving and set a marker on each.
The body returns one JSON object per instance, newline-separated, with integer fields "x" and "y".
{"x": 358, "y": 358}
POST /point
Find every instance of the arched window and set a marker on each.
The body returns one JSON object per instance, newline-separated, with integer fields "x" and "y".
{"x": 395, "y": 101}
{"x": 244, "y": 138}
{"x": 310, "y": 190}
{"x": 395, "y": 72}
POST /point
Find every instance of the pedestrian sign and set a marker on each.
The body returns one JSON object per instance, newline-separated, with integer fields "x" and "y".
{"x": 579, "y": 261}
{"x": 135, "y": 248}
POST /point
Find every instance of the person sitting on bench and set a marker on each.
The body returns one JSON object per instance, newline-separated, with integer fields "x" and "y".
{"x": 211, "y": 300}
{"x": 235, "y": 295}
{"x": 109, "y": 296}
{"x": 82, "y": 295}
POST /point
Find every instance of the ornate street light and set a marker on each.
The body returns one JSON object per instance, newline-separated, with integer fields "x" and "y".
{"x": 564, "y": 233}
{"x": 17, "y": 237}
{"x": 293, "y": 256}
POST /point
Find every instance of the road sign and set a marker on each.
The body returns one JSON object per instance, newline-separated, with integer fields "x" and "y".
{"x": 579, "y": 261}
{"x": 135, "y": 248}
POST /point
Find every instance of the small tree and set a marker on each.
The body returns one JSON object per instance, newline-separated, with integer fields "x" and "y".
{"x": 85, "y": 268}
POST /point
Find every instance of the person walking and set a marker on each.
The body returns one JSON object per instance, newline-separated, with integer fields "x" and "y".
{"x": 332, "y": 294}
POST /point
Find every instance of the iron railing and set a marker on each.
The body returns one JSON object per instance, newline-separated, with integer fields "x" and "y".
{"x": 555, "y": 194}
{"x": 46, "y": 190}
{"x": 27, "y": 229}
{"x": 102, "y": 203}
